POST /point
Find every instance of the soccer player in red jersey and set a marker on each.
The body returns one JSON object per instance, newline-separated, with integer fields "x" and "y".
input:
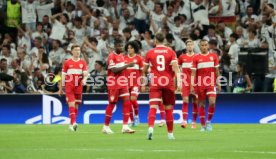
{"x": 163, "y": 63}
{"x": 117, "y": 85}
{"x": 205, "y": 71}
{"x": 133, "y": 75}
{"x": 185, "y": 61}
{"x": 74, "y": 75}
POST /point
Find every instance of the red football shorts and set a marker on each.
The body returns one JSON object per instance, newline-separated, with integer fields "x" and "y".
{"x": 115, "y": 94}
{"x": 73, "y": 94}
{"x": 134, "y": 91}
{"x": 204, "y": 91}
{"x": 156, "y": 96}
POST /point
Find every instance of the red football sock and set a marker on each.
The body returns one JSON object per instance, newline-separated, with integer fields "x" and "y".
{"x": 195, "y": 111}
{"x": 135, "y": 106}
{"x": 131, "y": 117}
{"x": 126, "y": 110}
{"x": 151, "y": 117}
{"x": 162, "y": 111}
{"x": 72, "y": 115}
{"x": 169, "y": 120}
{"x": 202, "y": 115}
{"x": 211, "y": 111}
{"x": 108, "y": 113}
{"x": 76, "y": 112}
{"x": 185, "y": 111}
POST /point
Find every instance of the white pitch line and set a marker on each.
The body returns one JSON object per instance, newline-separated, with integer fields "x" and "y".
{"x": 257, "y": 152}
{"x": 87, "y": 149}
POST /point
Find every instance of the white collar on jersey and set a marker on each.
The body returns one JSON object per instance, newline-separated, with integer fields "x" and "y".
{"x": 75, "y": 60}
{"x": 160, "y": 45}
{"x": 205, "y": 54}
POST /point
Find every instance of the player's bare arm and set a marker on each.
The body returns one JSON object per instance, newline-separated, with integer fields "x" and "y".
{"x": 144, "y": 72}
{"x": 176, "y": 70}
{"x": 218, "y": 81}
{"x": 193, "y": 74}
{"x": 84, "y": 79}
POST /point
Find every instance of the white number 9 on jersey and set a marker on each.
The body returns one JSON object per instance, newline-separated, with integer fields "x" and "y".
{"x": 160, "y": 60}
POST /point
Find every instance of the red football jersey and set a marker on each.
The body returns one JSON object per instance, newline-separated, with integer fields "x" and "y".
{"x": 160, "y": 60}
{"x": 133, "y": 74}
{"x": 186, "y": 61}
{"x": 205, "y": 66}
{"x": 116, "y": 80}
{"x": 74, "y": 71}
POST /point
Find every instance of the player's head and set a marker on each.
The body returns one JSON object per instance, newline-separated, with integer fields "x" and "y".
{"x": 76, "y": 50}
{"x": 119, "y": 44}
{"x": 132, "y": 47}
{"x": 189, "y": 45}
{"x": 159, "y": 38}
{"x": 204, "y": 46}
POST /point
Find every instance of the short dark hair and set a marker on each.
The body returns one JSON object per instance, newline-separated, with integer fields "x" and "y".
{"x": 74, "y": 46}
{"x": 3, "y": 60}
{"x": 160, "y": 37}
{"x": 126, "y": 30}
{"x": 7, "y": 46}
{"x": 118, "y": 40}
{"x": 100, "y": 63}
{"x": 271, "y": 5}
{"x": 234, "y": 35}
{"x": 134, "y": 45}
{"x": 213, "y": 42}
{"x": 93, "y": 39}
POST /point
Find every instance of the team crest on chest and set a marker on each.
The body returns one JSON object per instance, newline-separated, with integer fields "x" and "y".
{"x": 211, "y": 58}
{"x": 81, "y": 65}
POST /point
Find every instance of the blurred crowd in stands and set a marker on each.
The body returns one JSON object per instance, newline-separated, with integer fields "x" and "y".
{"x": 36, "y": 36}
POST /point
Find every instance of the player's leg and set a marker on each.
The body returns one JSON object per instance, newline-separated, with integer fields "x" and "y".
{"x": 131, "y": 115}
{"x": 78, "y": 100}
{"x": 112, "y": 99}
{"x": 155, "y": 97}
{"x": 211, "y": 108}
{"x": 70, "y": 98}
{"x": 185, "y": 99}
{"x": 168, "y": 97}
{"x": 124, "y": 95}
{"x": 133, "y": 99}
{"x": 162, "y": 114}
{"x": 195, "y": 110}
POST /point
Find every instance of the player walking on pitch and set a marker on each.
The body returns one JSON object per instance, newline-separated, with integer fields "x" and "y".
{"x": 74, "y": 76}
{"x": 164, "y": 66}
{"x": 134, "y": 74}
{"x": 205, "y": 71}
{"x": 185, "y": 61}
{"x": 117, "y": 86}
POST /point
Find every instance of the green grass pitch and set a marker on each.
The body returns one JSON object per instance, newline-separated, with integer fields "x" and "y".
{"x": 227, "y": 141}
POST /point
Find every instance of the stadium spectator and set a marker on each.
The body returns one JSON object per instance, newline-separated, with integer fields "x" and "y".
{"x": 242, "y": 82}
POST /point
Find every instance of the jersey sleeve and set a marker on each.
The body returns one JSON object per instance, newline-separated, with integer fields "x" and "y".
{"x": 84, "y": 69}
{"x": 216, "y": 61}
{"x": 194, "y": 63}
{"x": 180, "y": 60}
{"x": 65, "y": 67}
{"x": 146, "y": 61}
{"x": 141, "y": 63}
{"x": 111, "y": 61}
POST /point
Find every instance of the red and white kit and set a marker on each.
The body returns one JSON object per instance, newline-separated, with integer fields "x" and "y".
{"x": 133, "y": 74}
{"x": 73, "y": 79}
{"x": 205, "y": 80}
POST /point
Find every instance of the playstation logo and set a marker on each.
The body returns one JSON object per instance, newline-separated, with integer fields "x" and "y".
{"x": 51, "y": 111}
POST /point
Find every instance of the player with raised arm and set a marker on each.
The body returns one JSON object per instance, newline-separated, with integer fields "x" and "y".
{"x": 185, "y": 61}
{"x": 205, "y": 71}
{"x": 133, "y": 74}
{"x": 74, "y": 76}
{"x": 117, "y": 86}
{"x": 163, "y": 63}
